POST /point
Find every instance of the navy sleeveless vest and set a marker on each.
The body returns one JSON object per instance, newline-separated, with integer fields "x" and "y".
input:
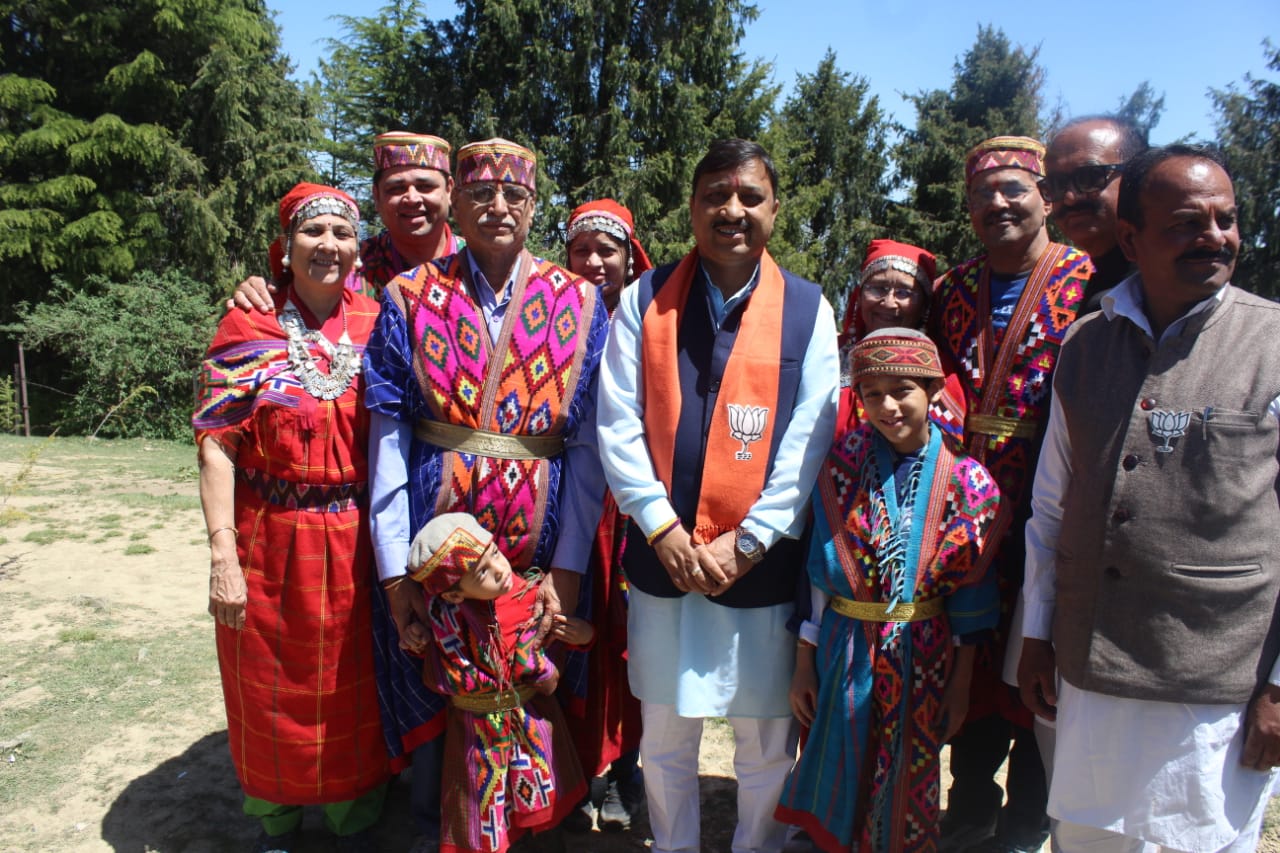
{"x": 703, "y": 354}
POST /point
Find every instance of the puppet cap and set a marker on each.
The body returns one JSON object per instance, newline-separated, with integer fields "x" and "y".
{"x": 497, "y": 160}
{"x": 896, "y": 352}
{"x": 1004, "y": 152}
{"x": 449, "y": 546}
{"x": 400, "y": 148}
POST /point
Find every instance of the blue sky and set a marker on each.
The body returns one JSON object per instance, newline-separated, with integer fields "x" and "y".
{"x": 1094, "y": 52}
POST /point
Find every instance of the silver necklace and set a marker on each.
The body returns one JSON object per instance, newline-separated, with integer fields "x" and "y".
{"x": 344, "y": 362}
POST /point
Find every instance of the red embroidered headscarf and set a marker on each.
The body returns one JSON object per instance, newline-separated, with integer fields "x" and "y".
{"x": 304, "y": 202}
{"x": 887, "y": 254}
{"x": 606, "y": 215}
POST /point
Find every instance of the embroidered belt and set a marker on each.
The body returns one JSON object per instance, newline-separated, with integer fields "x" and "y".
{"x": 1000, "y": 427}
{"x": 479, "y": 442}
{"x": 309, "y": 496}
{"x": 496, "y": 702}
{"x": 874, "y": 611}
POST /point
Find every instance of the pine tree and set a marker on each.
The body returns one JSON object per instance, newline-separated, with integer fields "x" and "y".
{"x": 996, "y": 92}
{"x": 1248, "y": 126}
{"x": 830, "y": 144}
{"x": 617, "y": 98}
{"x": 155, "y": 134}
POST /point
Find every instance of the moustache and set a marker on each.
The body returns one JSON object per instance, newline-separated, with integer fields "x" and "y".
{"x": 1224, "y": 255}
{"x": 730, "y": 223}
{"x": 498, "y": 220}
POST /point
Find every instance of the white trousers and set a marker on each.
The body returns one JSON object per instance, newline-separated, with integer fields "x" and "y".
{"x": 1078, "y": 838}
{"x": 764, "y": 753}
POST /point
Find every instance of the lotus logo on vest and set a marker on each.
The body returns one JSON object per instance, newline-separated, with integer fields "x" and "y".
{"x": 1168, "y": 426}
{"x": 746, "y": 424}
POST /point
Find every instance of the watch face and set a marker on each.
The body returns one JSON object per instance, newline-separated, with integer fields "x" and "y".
{"x": 748, "y": 543}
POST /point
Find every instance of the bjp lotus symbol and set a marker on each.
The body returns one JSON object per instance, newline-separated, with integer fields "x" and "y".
{"x": 746, "y": 423}
{"x": 1168, "y": 426}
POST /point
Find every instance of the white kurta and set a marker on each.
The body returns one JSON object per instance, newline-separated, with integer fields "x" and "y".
{"x": 706, "y": 659}
{"x": 1164, "y": 772}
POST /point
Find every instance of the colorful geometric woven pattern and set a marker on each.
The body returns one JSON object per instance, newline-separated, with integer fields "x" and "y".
{"x": 1004, "y": 152}
{"x": 1009, "y": 376}
{"x": 510, "y": 768}
{"x": 1022, "y": 390}
{"x": 410, "y": 149}
{"x": 277, "y": 491}
{"x": 885, "y": 355}
{"x": 868, "y": 778}
{"x": 497, "y": 160}
{"x": 382, "y": 262}
{"x": 539, "y": 360}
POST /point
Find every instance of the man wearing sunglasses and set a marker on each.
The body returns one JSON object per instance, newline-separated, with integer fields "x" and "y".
{"x": 1082, "y": 182}
{"x": 480, "y": 378}
{"x": 998, "y": 321}
{"x": 1152, "y": 574}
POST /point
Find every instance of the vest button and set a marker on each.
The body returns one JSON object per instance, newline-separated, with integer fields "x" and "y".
{"x": 1112, "y": 572}
{"x": 715, "y": 384}
{"x": 1120, "y": 516}
{"x": 1130, "y": 462}
{"x": 1148, "y": 404}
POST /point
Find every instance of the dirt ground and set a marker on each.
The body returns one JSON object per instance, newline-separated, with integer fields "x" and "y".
{"x": 112, "y": 733}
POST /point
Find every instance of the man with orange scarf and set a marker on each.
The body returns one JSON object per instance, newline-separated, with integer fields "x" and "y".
{"x": 717, "y": 405}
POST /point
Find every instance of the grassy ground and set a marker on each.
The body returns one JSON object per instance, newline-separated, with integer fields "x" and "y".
{"x": 112, "y": 735}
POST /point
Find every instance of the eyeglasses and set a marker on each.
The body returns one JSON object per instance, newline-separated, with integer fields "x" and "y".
{"x": 1081, "y": 180}
{"x": 1009, "y": 190}
{"x": 485, "y": 194}
{"x": 880, "y": 292}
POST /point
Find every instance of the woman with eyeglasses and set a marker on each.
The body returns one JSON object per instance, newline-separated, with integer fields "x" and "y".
{"x": 892, "y": 291}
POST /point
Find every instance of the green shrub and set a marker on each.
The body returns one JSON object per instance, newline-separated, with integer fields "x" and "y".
{"x": 131, "y": 351}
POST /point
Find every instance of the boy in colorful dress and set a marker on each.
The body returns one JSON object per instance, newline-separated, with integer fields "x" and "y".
{"x": 509, "y": 765}
{"x": 901, "y": 594}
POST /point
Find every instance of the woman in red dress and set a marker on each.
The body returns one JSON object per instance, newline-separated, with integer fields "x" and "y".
{"x": 604, "y": 716}
{"x": 282, "y": 439}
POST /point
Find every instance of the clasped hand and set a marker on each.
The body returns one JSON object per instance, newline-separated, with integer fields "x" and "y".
{"x": 710, "y": 569}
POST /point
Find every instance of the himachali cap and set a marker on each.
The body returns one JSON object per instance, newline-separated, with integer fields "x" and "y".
{"x": 606, "y": 215}
{"x": 497, "y": 160}
{"x": 896, "y": 352}
{"x": 1004, "y": 152}
{"x": 455, "y": 542}
{"x": 400, "y": 148}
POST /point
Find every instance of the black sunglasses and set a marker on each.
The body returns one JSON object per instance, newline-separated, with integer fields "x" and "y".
{"x": 1081, "y": 180}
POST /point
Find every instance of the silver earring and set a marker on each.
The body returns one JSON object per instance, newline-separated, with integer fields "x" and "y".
{"x": 284, "y": 262}
{"x": 359, "y": 263}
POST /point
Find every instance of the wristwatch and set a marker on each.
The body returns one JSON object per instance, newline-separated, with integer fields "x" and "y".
{"x": 746, "y": 544}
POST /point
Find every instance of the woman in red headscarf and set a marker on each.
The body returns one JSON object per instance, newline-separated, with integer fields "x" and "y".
{"x": 603, "y": 249}
{"x": 282, "y": 437}
{"x": 893, "y": 290}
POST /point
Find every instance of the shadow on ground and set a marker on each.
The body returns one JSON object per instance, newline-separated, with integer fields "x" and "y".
{"x": 191, "y": 804}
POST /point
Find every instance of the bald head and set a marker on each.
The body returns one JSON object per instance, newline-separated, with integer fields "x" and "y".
{"x": 1083, "y": 179}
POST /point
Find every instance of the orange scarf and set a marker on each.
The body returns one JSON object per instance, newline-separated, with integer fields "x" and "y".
{"x": 736, "y": 466}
